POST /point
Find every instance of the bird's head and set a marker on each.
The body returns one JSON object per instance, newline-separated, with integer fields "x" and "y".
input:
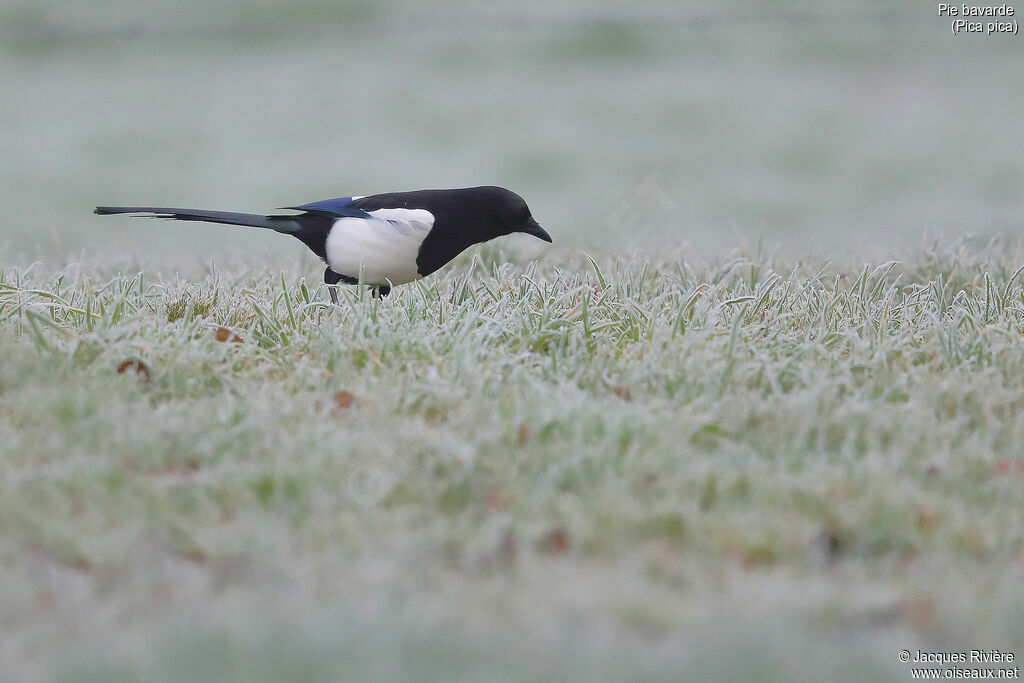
{"x": 513, "y": 215}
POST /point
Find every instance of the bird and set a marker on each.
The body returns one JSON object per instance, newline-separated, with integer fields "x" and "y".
{"x": 388, "y": 239}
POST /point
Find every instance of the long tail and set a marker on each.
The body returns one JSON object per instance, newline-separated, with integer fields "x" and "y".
{"x": 286, "y": 224}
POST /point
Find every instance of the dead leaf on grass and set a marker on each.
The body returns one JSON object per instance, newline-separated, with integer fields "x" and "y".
{"x": 927, "y": 519}
{"x": 179, "y": 469}
{"x": 1008, "y": 467}
{"x": 495, "y": 500}
{"x": 223, "y": 334}
{"x": 344, "y": 399}
{"x": 523, "y": 434}
{"x": 554, "y": 542}
{"x": 140, "y": 368}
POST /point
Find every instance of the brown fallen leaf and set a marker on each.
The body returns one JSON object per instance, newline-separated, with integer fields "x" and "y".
{"x": 624, "y": 393}
{"x": 1008, "y": 467}
{"x": 195, "y": 555}
{"x": 344, "y": 399}
{"x": 523, "y": 434}
{"x": 921, "y": 610}
{"x": 756, "y": 556}
{"x": 223, "y": 334}
{"x": 495, "y": 500}
{"x": 140, "y": 368}
{"x": 927, "y": 519}
{"x": 179, "y": 469}
{"x": 554, "y": 542}
{"x": 82, "y": 564}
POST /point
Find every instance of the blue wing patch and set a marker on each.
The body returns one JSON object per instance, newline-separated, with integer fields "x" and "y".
{"x": 341, "y": 206}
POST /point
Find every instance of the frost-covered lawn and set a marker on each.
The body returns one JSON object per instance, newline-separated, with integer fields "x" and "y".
{"x": 620, "y": 469}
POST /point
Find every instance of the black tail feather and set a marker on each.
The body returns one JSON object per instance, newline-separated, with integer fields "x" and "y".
{"x": 286, "y": 224}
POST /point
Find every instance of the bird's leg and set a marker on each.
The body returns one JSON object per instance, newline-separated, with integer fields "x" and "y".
{"x": 331, "y": 279}
{"x": 380, "y": 291}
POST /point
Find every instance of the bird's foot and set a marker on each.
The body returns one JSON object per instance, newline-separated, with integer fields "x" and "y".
{"x": 331, "y": 279}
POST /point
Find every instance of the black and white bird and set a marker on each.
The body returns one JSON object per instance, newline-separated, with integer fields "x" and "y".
{"x": 390, "y": 238}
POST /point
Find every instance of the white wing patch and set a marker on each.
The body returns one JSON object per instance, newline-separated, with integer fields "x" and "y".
{"x": 385, "y": 246}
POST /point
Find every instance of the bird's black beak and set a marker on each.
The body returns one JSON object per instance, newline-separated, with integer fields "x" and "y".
{"x": 533, "y": 228}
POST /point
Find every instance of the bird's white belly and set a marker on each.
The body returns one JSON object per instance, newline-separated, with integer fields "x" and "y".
{"x": 384, "y": 246}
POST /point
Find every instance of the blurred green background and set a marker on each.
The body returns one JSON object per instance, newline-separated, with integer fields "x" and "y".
{"x": 664, "y": 125}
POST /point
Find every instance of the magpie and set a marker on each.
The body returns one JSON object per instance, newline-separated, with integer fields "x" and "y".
{"x": 391, "y": 238}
